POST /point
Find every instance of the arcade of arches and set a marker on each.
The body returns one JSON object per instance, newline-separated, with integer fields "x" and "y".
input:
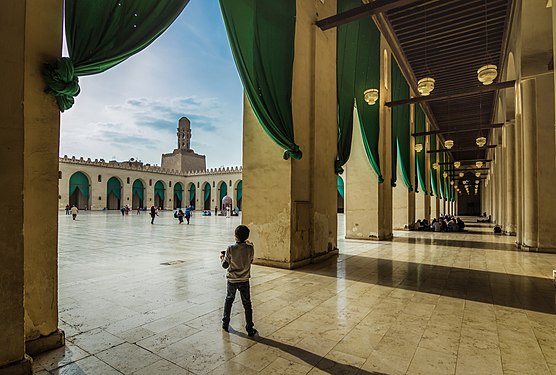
{"x": 291, "y": 205}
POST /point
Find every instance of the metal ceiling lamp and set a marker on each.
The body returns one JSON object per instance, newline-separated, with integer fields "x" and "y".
{"x": 435, "y": 166}
{"x": 425, "y": 86}
{"x": 486, "y": 74}
{"x": 457, "y": 164}
{"x": 477, "y": 174}
{"x": 481, "y": 141}
{"x": 445, "y": 174}
{"x": 418, "y": 147}
{"x": 461, "y": 174}
{"x": 452, "y": 183}
{"x": 479, "y": 164}
{"x": 370, "y": 96}
{"x": 449, "y": 143}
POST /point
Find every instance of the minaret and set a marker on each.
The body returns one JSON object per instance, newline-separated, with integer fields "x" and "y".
{"x": 184, "y": 134}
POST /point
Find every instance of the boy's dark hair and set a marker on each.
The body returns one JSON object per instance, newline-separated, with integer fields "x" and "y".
{"x": 242, "y": 233}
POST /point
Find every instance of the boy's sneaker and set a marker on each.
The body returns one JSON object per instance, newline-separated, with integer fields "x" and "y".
{"x": 225, "y": 327}
{"x": 252, "y": 332}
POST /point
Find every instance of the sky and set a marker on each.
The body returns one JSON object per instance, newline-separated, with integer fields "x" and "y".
{"x": 132, "y": 110}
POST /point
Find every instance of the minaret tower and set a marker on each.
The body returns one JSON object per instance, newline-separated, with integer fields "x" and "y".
{"x": 184, "y": 134}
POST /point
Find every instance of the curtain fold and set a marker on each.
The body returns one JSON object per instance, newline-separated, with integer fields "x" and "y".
{"x": 400, "y": 127}
{"x": 207, "y": 192}
{"x": 192, "y": 195}
{"x": 78, "y": 181}
{"x": 420, "y": 156}
{"x": 113, "y": 186}
{"x": 239, "y": 190}
{"x": 101, "y": 34}
{"x": 178, "y": 191}
{"x": 159, "y": 190}
{"x": 433, "y": 172}
{"x": 341, "y": 186}
{"x": 223, "y": 191}
{"x": 138, "y": 189}
{"x": 261, "y": 35}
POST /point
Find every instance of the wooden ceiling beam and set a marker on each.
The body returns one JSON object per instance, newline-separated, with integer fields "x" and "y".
{"x": 454, "y": 131}
{"x": 475, "y": 91}
{"x": 477, "y": 148}
{"x": 366, "y": 10}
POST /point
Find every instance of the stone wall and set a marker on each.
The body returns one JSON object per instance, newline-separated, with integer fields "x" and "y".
{"x": 184, "y": 161}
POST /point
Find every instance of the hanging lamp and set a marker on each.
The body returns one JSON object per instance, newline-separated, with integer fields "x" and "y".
{"x": 425, "y": 86}
{"x": 435, "y": 166}
{"x": 477, "y": 174}
{"x": 479, "y": 164}
{"x": 486, "y": 74}
{"x": 449, "y": 143}
{"x": 370, "y": 96}
{"x": 457, "y": 164}
{"x": 445, "y": 174}
{"x": 418, "y": 147}
{"x": 461, "y": 174}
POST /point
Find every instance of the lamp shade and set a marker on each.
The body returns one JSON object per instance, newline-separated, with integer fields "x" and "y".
{"x": 477, "y": 174}
{"x": 487, "y": 74}
{"x": 418, "y": 147}
{"x": 435, "y": 166}
{"x": 448, "y": 143}
{"x": 445, "y": 174}
{"x": 370, "y": 96}
{"x": 461, "y": 174}
{"x": 481, "y": 141}
{"x": 479, "y": 164}
{"x": 425, "y": 86}
{"x": 457, "y": 164}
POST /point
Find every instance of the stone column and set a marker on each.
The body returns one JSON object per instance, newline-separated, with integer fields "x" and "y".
{"x": 519, "y": 164}
{"x": 43, "y": 43}
{"x": 290, "y": 205}
{"x": 511, "y": 201}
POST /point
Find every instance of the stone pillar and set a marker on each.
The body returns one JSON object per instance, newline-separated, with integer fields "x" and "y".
{"x": 519, "y": 164}
{"x": 43, "y": 42}
{"x": 511, "y": 201}
{"x": 290, "y": 205}
{"x": 403, "y": 199}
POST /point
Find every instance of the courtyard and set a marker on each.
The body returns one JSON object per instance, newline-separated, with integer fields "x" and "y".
{"x": 136, "y": 298}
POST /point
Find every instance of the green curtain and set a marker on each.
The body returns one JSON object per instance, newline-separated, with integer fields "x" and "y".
{"x": 78, "y": 181}
{"x": 207, "y": 192}
{"x": 178, "y": 191}
{"x": 138, "y": 189}
{"x": 223, "y": 190}
{"x": 400, "y": 127}
{"x": 101, "y": 34}
{"x": 433, "y": 173}
{"x": 192, "y": 195}
{"x": 239, "y": 190}
{"x": 441, "y": 177}
{"x": 114, "y": 186}
{"x": 261, "y": 35}
{"x": 341, "y": 186}
{"x": 159, "y": 190}
{"x": 420, "y": 126}
{"x": 368, "y": 76}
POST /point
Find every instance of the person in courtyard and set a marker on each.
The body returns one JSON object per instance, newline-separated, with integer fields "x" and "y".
{"x": 122, "y": 210}
{"x": 215, "y": 210}
{"x": 139, "y": 210}
{"x": 126, "y": 209}
{"x": 237, "y": 260}
{"x": 180, "y": 216}
{"x": 67, "y": 209}
{"x": 153, "y": 214}
{"x": 74, "y": 212}
{"x": 188, "y": 213}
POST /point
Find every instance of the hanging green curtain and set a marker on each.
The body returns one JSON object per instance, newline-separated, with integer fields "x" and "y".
{"x": 223, "y": 190}
{"x": 239, "y": 190}
{"x": 101, "y": 34}
{"x": 78, "y": 181}
{"x": 368, "y": 76}
{"x": 420, "y": 126}
{"x": 159, "y": 190}
{"x": 138, "y": 189}
{"x": 113, "y": 186}
{"x": 400, "y": 127}
{"x": 207, "y": 192}
{"x": 261, "y": 35}
{"x": 192, "y": 195}
{"x": 178, "y": 190}
{"x": 433, "y": 173}
{"x": 341, "y": 186}
{"x": 441, "y": 177}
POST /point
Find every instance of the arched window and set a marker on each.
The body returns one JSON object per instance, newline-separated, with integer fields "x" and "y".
{"x": 169, "y": 183}
{"x": 99, "y": 178}
{"x": 151, "y": 182}
{"x": 59, "y": 175}
{"x": 128, "y": 180}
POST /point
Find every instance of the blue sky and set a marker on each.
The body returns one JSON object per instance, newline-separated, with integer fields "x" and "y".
{"x": 132, "y": 110}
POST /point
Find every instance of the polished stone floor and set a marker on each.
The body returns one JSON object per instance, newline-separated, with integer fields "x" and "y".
{"x": 136, "y": 298}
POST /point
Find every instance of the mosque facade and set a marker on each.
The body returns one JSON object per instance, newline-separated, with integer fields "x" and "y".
{"x": 182, "y": 180}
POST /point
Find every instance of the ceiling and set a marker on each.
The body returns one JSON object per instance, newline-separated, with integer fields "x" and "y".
{"x": 449, "y": 40}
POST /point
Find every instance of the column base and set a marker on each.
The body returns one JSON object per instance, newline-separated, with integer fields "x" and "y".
{"x": 23, "y": 367}
{"x": 299, "y": 263}
{"x": 372, "y": 237}
{"x": 55, "y": 340}
{"x": 510, "y": 233}
{"x": 550, "y": 250}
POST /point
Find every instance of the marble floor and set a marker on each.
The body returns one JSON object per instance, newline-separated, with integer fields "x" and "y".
{"x": 136, "y": 298}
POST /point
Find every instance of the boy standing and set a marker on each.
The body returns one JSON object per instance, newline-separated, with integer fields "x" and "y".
{"x": 237, "y": 259}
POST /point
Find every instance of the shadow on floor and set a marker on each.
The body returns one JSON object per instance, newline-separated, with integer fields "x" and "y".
{"x": 458, "y": 243}
{"x": 503, "y": 289}
{"x": 323, "y": 364}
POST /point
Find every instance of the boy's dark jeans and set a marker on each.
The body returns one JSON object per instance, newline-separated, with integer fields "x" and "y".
{"x": 245, "y": 299}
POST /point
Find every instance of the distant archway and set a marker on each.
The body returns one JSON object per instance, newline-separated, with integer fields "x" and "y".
{"x": 191, "y": 195}
{"x": 239, "y": 194}
{"x": 113, "y": 194}
{"x": 159, "y": 194}
{"x": 222, "y": 192}
{"x": 340, "y": 195}
{"x": 79, "y": 191}
{"x": 178, "y": 195}
{"x": 137, "y": 194}
{"x": 206, "y": 196}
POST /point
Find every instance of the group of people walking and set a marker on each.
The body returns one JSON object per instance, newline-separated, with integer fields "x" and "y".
{"x": 180, "y": 214}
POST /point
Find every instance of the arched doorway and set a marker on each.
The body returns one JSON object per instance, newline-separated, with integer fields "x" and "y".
{"x": 222, "y": 192}
{"x": 137, "y": 194}
{"x": 178, "y": 195}
{"x": 113, "y": 194}
{"x": 191, "y": 198}
{"x": 206, "y": 196}
{"x": 159, "y": 194}
{"x": 239, "y": 194}
{"x": 79, "y": 191}
{"x": 340, "y": 195}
